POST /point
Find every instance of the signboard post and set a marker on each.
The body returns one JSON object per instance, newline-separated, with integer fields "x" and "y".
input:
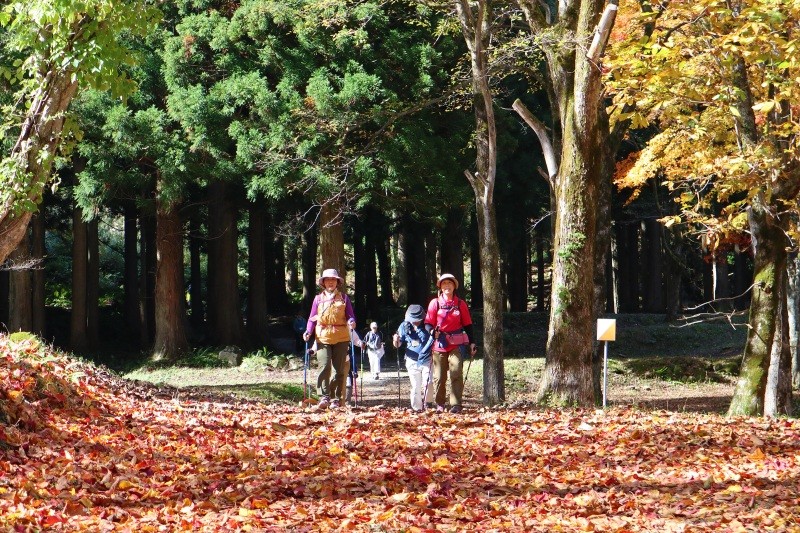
{"x": 606, "y": 331}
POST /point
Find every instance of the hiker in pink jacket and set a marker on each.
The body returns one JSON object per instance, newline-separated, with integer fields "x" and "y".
{"x": 449, "y": 320}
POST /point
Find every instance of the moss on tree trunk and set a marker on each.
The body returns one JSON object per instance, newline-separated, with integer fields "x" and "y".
{"x": 769, "y": 262}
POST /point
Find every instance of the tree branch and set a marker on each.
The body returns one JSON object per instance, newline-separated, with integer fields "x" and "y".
{"x": 602, "y": 33}
{"x": 536, "y": 125}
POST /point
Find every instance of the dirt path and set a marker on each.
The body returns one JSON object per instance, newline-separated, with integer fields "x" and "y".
{"x": 391, "y": 390}
{"x": 623, "y": 390}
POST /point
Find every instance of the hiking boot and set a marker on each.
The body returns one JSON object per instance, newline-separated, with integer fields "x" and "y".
{"x": 377, "y": 376}
{"x": 439, "y": 408}
{"x": 323, "y": 403}
{"x": 455, "y": 409}
{"x": 335, "y": 404}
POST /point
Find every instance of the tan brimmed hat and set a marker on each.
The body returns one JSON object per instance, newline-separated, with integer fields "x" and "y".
{"x": 444, "y": 277}
{"x": 330, "y": 273}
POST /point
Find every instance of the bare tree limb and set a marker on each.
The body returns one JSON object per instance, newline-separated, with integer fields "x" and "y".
{"x": 539, "y": 128}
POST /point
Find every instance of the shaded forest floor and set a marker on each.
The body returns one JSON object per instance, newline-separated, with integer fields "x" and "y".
{"x": 83, "y": 450}
{"x": 653, "y": 364}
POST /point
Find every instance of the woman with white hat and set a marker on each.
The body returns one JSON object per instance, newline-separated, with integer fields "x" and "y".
{"x": 448, "y": 315}
{"x": 330, "y": 319}
{"x": 375, "y": 350}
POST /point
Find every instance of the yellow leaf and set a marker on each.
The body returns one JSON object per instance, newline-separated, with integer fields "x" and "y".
{"x": 125, "y": 484}
{"x": 757, "y": 455}
{"x": 764, "y": 107}
{"x": 15, "y": 396}
{"x": 260, "y": 503}
{"x": 335, "y": 449}
{"x": 441, "y": 462}
{"x": 383, "y": 517}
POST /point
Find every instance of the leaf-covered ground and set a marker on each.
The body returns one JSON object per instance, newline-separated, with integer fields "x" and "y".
{"x": 83, "y": 450}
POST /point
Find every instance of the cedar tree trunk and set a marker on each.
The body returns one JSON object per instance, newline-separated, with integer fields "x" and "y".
{"x": 170, "y": 332}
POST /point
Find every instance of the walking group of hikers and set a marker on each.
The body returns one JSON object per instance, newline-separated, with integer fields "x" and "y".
{"x": 437, "y": 341}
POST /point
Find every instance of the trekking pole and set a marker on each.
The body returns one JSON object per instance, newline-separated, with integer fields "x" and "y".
{"x": 471, "y": 357}
{"x": 397, "y": 350}
{"x": 305, "y": 373}
{"x": 427, "y": 383}
{"x": 353, "y": 373}
{"x": 361, "y": 386}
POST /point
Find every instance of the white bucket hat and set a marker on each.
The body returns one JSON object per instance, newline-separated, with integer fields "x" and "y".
{"x": 330, "y": 273}
{"x": 444, "y": 277}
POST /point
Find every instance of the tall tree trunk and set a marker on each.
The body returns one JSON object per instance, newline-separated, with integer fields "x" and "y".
{"x": 493, "y": 368}
{"x": 80, "y": 256}
{"x": 309, "y": 258}
{"x": 674, "y": 273}
{"x": 4, "y": 296}
{"x": 38, "y": 290}
{"x": 359, "y": 293}
{"x": 768, "y": 307}
{"x": 257, "y": 324}
{"x": 476, "y": 29}
{"x": 93, "y": 285}
{"x": 432, "y": 260}
{"x": 401, "y": 262}
{"x": 384, "y": 254}
{"x": 627, "y": 234}
{"x": 170, "y": 333}
{"x": 769, "y": 264}
{"x": 602, "y": 249}
{"x": 371, "y": 237}
{"x": 277, "y": 288}
{"x": 452, "y": 242}
{"x": 225, "y": 322}
{"x": 147, "y": 281}
{"x": 130, "y": 278}
{"x": 793, "y": 308}
{"x": 742, "y": 279}
{"x": 20, "y": 288}
{"x": 778, "y": 394}
{"x": 475, "y": 274}
{"x": 34, "y": 151}
{"x": 197, "y": 317}
{"x": 708, "y": 278}
{"x": 331, "y": 238}
{"x": 652, "y": 279}
{"x": 722, "y": 286}
{"x": 567, "y": 378}
{"x": 541, "y": 267}
{"x": 617, "y": 262}
{"x": 293, "y": 246}
{"x": 413, "y": 242}
{"x": 516, "y": 265}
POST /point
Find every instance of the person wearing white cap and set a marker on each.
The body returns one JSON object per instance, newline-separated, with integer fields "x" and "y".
{"x": 330, "y": 320}
{"x": 375, "y": 350}
{"x": 449, "y": 316}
